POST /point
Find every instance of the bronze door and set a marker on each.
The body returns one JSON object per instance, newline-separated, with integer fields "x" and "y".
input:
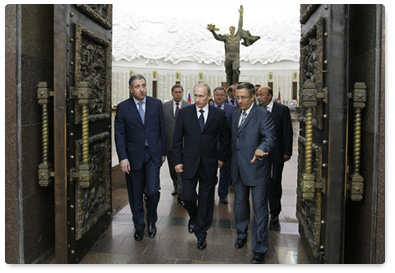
{"x": 82, "y": 127}
{"x": 323, "y": 137}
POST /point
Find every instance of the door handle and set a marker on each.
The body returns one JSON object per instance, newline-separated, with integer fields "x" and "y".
{"x": 310, "y": 182}
{"x": 83, "y": 173}
{"x": 45, "y": 169}
{"x": 309, "y": 101}
{"x": 356, "y": 186}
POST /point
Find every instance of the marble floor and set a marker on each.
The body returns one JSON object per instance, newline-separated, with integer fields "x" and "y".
{"x": 173, "y": 244}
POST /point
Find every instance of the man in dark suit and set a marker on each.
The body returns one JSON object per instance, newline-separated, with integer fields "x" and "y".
{"x": 224, "y": 173}
{"x": 197, "y": 158}
{"x": 282, "y": 152}
{"x": 231, "y": 96}
{"x": 171, "y": 110}
{"x": 140, "y": 138}
{"x": 253, "y": 138}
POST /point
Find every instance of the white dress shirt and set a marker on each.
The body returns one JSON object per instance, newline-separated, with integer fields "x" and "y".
{"x": 205, "y": 114}
{"x": 137, "y": 103}
{"x": 269, "y": 107}
{"x": 247, "y": 111}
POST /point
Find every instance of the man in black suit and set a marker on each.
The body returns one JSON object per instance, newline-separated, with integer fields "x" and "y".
{"x": 253, "y": 139}
{"x": 197, "y": 158}
{"x": 282, "y": 152}
{"x": 224, "y": 173}
{"x": 140, "y": 138}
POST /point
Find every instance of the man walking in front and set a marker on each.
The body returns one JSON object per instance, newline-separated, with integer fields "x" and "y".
{"x": 140, "y": 138}
{"x": 253, "y": 138}
{"x": 197, "y": 158}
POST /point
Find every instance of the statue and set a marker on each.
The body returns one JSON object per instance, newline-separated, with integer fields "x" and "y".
{"x": 232, "y": 47}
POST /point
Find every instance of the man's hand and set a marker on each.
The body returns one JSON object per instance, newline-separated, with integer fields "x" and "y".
{"x": 287, "y": 157}
{"x": 220, "y": 163}
{"x": 179, "y": 168}
{"x": 259, "y": 154}
{"x": 163, "y": 159}
{"x": 125, "y": 166}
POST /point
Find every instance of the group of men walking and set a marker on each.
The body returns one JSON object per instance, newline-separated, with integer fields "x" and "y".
{"x": 246, "y": 141}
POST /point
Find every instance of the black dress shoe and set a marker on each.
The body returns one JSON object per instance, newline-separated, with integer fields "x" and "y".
{"x": 139, "y": 234}
{"x": 201, "y": 244}
{"x": 174, "y": 192}
{"x": 191, "y": 226}
{"x": 223, "y": 200}
{"x": 151, "y": 230}
{"x": 240, "y": 243}
{"x": 274, "y": 220}
{"x": 258, "y": 258}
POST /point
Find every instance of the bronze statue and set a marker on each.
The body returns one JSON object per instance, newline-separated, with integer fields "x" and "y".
{"x": 232, "y": 47}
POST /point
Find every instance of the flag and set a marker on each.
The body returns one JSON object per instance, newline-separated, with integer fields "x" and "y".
{"x": 189, "y": 97}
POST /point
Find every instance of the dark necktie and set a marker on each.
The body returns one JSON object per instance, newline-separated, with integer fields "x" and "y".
{"x": 201, "y": 120}
{"x": 233, "y": 102}
{"x": 177, "y": 110}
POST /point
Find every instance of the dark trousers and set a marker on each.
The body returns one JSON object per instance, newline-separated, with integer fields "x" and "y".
{"x": 200, "y": 206}
{"x": 260, "y": 239}
{"x": 224, "y": 179}
{"x": 176, "y": 177}
{"x": 144, "y": 181}
{"x": 275, "y": 189}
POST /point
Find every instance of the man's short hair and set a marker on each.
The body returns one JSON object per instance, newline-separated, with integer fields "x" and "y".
{"x": 246, "y": 85}
{"x": 136, "y": 77}
{"x": 177, "y": 86}
{"x": 203, "y": 84}
{"x": 219, "y": 88}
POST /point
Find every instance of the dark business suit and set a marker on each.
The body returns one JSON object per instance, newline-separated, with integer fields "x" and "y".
{"x": 224, "y": 172}
{"x": 199, "y": 157}
{"x": 234, "y": 103}
{"x": 257, "y": 132}
{"x": 132, "y": 138}
{"x": 284, "y": 134}
{"x": 170, "y": 122}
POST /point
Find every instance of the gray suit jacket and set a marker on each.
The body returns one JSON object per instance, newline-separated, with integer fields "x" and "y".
{"x": 257, "y": 131}
{"x": 170, "y": 121}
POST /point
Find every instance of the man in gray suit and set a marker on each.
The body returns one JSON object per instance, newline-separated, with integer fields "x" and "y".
{"x": 253, "y": 138}
{"x": 170, "y": 110}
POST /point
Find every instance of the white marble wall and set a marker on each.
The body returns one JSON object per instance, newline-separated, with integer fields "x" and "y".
{"x": 282, "y": 80}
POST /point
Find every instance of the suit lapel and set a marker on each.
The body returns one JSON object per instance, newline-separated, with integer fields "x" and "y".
{"x": 133, "y": 108}
{"x": 210, "y": 116}
{"x": 249, "y": 117}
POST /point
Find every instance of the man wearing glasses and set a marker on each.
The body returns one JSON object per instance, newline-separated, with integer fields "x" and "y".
{"x": 253, "y": 138}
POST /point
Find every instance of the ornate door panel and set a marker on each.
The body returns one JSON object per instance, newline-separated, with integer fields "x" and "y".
{"x": 323, "y": 119}
{"x": 82, "y": 113}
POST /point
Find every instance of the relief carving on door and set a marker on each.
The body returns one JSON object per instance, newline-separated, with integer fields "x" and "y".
{"x": 93, "y": 60}
{"x": 312, "y": 68}
{"x": 309, "y": 210}
{"x": 94, "y": 201}
{"x": 92, "y": 66}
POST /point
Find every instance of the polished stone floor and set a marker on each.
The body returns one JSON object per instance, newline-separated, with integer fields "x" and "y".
{"x": 173, "y": 244}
